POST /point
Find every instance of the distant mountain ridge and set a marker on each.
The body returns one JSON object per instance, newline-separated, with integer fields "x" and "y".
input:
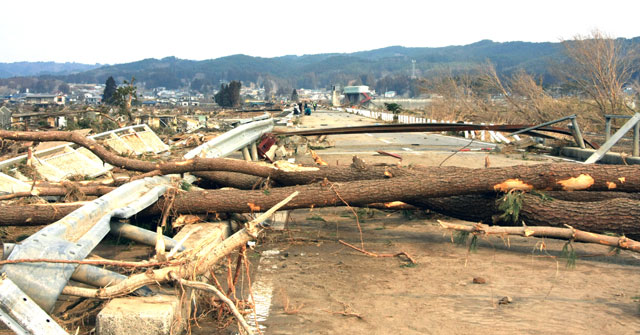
{"x": 322, "y": 70}
{"x": 25, "y": 69}
{"x": 384, "y": 69}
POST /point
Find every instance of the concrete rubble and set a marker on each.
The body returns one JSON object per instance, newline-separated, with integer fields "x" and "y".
{"x": 41, "y": 288}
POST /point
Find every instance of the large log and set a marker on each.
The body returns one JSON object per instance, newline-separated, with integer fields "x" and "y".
{"x": 619, "y": 213}
{"x": 436, "y": 183}
{"x": 63, "y": 190}
{"x": 196, "y": 164}
{"x": 440, "y": 182}
{"x": 308, "y": 175}
{"x": 35, "y": 214}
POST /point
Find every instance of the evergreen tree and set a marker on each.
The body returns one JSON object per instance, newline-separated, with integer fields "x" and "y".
{"x": 109, "y": 91}
{"x": 294, "y": 96}
{"x": 229, "y": 95}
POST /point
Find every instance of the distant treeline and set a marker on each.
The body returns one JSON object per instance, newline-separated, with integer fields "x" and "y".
{"x": 387, "y": 69}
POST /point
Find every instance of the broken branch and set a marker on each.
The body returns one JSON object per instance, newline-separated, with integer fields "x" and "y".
{"x": 553, "y": 232}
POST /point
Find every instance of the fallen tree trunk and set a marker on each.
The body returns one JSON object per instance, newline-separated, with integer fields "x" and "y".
{"x": 308, "y": 175}
{"x": 441, "y": 182}
{"x": 35, "y": 214}
{"x": 196, "y": 164}
{"x": 543, "y": 176}
{"x": 64, "y": 190}
{"x": 619, "y": 213}
{"x": 553, "y": 232}
{"x": 615, "y": 215}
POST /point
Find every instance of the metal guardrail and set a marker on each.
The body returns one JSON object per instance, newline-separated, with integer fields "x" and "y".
{"x": 238, "y": 138}
{"x": 636, "y": 131}
{"x": 613, "y": 139}
{"x": 71, "y": 238}
{"x": 494, "y": 136}
{"x": 574, "y": 127}
{"x": 21, "y": 314}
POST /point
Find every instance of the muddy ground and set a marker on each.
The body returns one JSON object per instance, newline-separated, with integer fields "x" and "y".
{"x": 309, "y": 283}
{"x": 333, "y": 289}
{"x": 306, "y": 282}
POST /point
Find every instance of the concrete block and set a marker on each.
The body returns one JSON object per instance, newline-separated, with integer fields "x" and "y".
{"x": 608, "y": 158}
{"x": 156, "y": 315}
{"x": 278, "y": 220}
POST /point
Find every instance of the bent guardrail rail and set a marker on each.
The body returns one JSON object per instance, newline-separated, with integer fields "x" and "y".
{"x": 634, "y": 122}
{"x": 235, "y": 139}
{"x": 71, "y": 238}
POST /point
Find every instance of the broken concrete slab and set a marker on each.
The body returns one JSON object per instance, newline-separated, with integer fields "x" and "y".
{"x": 156, "y": 315}
{"x": 9, "y": 184}
{"x": 161, "y": 314}
{"x": 136, "y": 139}
{"x": 196, "y": 233}
{"x": 608, "y": 158}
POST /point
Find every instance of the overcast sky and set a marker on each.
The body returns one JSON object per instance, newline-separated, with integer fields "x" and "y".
{"x": 115, "y": 31}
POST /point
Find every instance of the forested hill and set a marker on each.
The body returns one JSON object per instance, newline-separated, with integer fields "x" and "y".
{"x": 387, "y": 68}
{"x": 323, "y": 70}
{"x": 24, "y": 69}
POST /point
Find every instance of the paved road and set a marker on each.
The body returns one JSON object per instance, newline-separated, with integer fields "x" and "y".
{"x": 391, "y": 142}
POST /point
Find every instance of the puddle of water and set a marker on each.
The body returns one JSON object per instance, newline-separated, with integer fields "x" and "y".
{"x": 262, "y": 289}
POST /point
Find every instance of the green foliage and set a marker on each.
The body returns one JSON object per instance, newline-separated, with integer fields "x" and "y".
{"x": 109, "y": 91}
{"x": 124, "y": 97}
{"x": 569, "y": 253}
{"x": 294, "y": 96}
{"x": 461, "y": 238}
{"x": 316, "y": 217}
{"x": 542, "y": 196}
{"x": 229, "y": 95}
{"x": 393, "y": 107}
{"x": 185, "y": 186}
{"x": 510, "y": 205}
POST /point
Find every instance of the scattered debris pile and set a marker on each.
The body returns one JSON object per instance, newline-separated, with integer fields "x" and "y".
{"x": 195, "y": 193}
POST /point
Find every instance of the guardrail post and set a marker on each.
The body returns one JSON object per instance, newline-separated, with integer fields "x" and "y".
{"x": 254, "y": 151}
{"x": 632, "y": 123}
{"x": 245, "y": 154}
{"x": 577, "y": 134}
{"x": 636, "y": 139}
{"x": 607, "y": 128}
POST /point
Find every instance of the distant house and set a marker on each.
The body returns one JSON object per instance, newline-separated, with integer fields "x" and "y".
{"x": 5, "y": 117}
{"x": 44, "y": 99}
{"x": 92, "y": 99}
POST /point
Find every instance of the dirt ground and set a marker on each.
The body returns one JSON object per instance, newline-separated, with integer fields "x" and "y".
{"x": 306, "y": 282}
{"x": 320, "y": 286}
{"x": 334, "y": 289}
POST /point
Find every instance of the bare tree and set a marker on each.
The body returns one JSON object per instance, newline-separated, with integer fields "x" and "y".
{"x": 457, "y": 96}
{"x": 600, "y": 66}
{"x": 490, "y": 77}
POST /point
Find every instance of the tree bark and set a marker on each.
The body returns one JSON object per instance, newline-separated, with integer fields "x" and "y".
{"x": 63, "y": 190}
{"x": 196, "y": 164}
{"x": 35, "y": 214}
{"x": 441, "y": 182}
{"x": 616, "y": 215}
{"x": 435, "y": 183}
{"x": 285, "y": 177}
